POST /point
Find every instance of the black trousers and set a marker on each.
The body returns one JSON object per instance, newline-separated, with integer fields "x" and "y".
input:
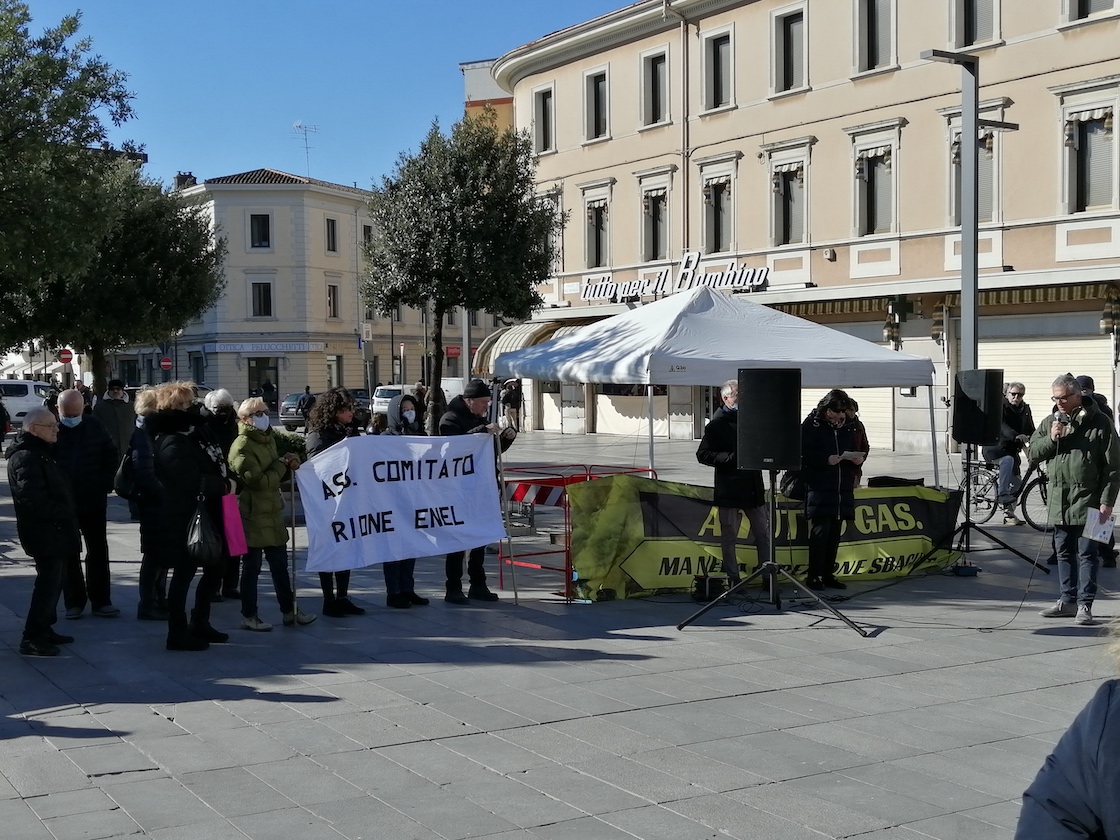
{"x": 93, "y": 587}
{"x": 43, "y": 610}
{"x": 208, "y": 585}
{"x": 453, "y": 566}
{"x": 824, "y": 542}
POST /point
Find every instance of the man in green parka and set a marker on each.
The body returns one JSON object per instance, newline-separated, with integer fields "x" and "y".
{"x": 1083, "y": 452}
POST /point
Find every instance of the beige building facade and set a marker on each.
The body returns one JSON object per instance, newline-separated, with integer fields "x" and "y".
{"x": 292, "y": 314}
{"x": 802, "y": 153}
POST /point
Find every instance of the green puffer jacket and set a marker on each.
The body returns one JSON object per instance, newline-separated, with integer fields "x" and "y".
{"x": 1084, "y": 464}
{"x": 259, "y": 472}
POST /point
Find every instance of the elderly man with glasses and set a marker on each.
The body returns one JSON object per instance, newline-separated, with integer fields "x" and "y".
{"x": 47, "y": 523}
{"x": 1015, "y": 430}
{"x": 1083, "y": 452}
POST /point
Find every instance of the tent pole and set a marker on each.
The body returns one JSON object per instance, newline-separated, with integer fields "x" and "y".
{"x": 933, "y": 437}
{"x": 649, "y": 408}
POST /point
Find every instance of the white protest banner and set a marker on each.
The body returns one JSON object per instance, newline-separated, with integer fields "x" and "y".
{"x": 379, "y": 498}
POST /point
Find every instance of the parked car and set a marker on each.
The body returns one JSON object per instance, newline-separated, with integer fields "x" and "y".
{"x": 290, "y": 418}
{"x": 22, "y": 395}
{"x": 382, "y": 394}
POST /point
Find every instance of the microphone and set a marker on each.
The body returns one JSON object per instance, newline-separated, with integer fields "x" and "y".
{"x": 1061, "y": 418}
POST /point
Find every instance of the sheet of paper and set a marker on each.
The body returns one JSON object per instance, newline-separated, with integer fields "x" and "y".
{"x": 1097, "y": 530}
{"x": 850, "y": 454}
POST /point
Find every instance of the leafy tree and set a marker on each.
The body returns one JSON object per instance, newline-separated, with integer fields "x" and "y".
{"x": 56, "y": 189}
{"x": 460, "y": 224}
{"x": 158, "y": 269}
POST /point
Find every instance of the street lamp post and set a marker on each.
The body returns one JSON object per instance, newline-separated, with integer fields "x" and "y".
{"x": 970, "y": 202}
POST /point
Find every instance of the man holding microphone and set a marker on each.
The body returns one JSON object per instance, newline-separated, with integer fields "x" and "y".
{"x": 1084, "y": 474}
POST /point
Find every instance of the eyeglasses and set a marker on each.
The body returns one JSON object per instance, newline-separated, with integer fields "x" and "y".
{"x": 1015, "y": 393}
{"x": 45, "y": 425}
{"x": 259, "y": 414}
{"x": 1064, "y": 397}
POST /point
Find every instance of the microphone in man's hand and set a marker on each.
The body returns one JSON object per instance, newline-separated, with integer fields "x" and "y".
{"x": 1061, "y": 418}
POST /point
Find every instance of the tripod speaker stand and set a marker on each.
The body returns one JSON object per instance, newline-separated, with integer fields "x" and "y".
{"x": 770, "y": 443}
{"x": 977, "y": 415}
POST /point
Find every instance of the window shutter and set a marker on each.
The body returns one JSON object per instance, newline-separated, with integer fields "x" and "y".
{"x": 880, "y": 172}
{"x": 795, "y": 206}
{"x": 1096, "y": 164}
{"x": 984, "y": 169}
{"x": 1089, "y": 7}
{"x": 795, "y": 51}
{"x": 881, "y": 31}
{"x": 722, "y": 68}
{"x": 983, "y": 16}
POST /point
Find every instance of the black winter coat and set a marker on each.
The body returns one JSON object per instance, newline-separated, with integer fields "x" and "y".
{"x": 327, "y": 437}
{"x": 1016, "y": 420}
{"x": 1074, "y": 795}
{"x": 184, "y": 468}
{"x": 718, "y": 448}
{"x": 223, "y": 425}
{"x": 89, "y": 460}
{"x": 830, "y": 490}
{"x": 46, "y": 519}
{"x": 149, "y": 492}
{"x": 460, "y": 420}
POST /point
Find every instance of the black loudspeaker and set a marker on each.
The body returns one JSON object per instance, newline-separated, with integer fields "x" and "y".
{"x": 769, "y": 419}
{"x": 977, "y": 406}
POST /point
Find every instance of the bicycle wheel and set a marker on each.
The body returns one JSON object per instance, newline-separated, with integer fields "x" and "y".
{"x": 1035, "y": 502}
{"x": 983, "y": 496}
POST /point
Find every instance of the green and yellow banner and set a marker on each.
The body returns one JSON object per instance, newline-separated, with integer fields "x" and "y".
{"x": 636, "y": 536}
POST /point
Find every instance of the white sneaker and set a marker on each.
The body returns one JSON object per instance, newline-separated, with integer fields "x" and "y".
{"x": 255, "y": 623}
{"x": 1059, "y": 610}
{"x": 299, "y": 617}
{"x": 1084, "y": 615}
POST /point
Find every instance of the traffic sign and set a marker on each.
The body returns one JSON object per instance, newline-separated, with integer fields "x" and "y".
{"x": 452, "y": 352}
{"x": 65, "y": 356}
{"x": 165, "y": 363}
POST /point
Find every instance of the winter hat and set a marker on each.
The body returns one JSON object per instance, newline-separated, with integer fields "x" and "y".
{"x": 476, "y": 388}
{"x": 115, "y": 383}
{"x": 1086, "y": 383}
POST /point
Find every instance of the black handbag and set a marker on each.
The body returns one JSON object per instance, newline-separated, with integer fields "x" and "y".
{"x": 204, "y": 543}
{"x": 792, "y": 485}
{"x": 124, "y": 482}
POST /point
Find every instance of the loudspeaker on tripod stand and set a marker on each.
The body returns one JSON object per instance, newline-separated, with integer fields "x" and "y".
{"x": 977, "y": 406}
{"x": 769, "y": 424}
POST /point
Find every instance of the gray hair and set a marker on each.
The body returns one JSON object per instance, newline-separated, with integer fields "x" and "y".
{"x": 39, "y": 414}
{"x": 1011, "y": 385}
{"x": 221, "y": 398}
{"x": 728, "y": 386}
{"x": 1068, "y": 381}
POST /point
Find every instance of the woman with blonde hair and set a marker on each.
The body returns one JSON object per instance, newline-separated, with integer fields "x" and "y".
{"x": 189, "y": 464}
{"x": 149, "y": 501}
{"x": 260, "y": 470}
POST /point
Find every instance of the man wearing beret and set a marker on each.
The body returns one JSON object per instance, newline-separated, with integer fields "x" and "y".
{"x": 467, "y": 415}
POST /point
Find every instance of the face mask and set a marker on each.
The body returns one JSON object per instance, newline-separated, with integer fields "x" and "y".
{"x": 733, "y": 407}
{"x": 409, "y": 416}
{"x": 70, "y": 422}
{"x": 262, "y": 423}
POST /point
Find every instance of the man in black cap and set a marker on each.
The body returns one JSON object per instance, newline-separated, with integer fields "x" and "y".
{"x": 116, "y": 414}
{"x": 466, "y": 415}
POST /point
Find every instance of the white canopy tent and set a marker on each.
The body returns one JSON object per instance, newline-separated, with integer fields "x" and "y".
{"x": 701, "y": 337}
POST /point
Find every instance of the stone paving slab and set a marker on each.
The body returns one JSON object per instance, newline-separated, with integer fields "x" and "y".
{"x": 549, "y": 720}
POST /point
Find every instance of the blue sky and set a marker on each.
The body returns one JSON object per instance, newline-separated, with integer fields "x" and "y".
{"x": 220, "y": 83}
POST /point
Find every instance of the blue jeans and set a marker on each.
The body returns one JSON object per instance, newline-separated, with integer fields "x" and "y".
{"x": 1077, "y": 564}
{"x": 277, "y": 557}
{"x": 398, "y": 577}
{"x": 1008, "y": 470}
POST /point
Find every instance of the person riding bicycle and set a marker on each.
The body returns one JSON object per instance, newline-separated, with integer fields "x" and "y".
{"x": 1015, "y": 430}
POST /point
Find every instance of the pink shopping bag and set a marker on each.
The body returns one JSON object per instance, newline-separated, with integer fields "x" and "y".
{"x": 232, "y": 526}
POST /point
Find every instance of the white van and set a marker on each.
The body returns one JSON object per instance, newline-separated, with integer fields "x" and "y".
{"x": 22, "y": 395}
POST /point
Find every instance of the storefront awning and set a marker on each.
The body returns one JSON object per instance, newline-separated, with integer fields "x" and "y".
{"x": 519, "y": 337}
{"x": 480, "y": 365}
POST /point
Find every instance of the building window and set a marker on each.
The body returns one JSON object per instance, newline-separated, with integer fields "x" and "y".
{"x": 451, "y": 318}
{"x": 718, "y": 68}
{"x": 260, "y": 234}
{"x": 334, "y": 371}
{"x": 875, "y": 35}
{"x": 397, "y": 315}
{"x": 595, "y": 97}
{"x": 544, "y": 126}
{"x": 1091, "y": 147}
{"x": 717, "y": 215}
{"x": 472, "y": 317}
{"x": 1082, "y": 9}
{"x": 367, "y": 234}
{"x": 655, "y": 89}
{"x": 332, "y": 235}
{"x": 597, "y": 233}
{"x": 974, "y": 22}
{"x": 554, "y": 241}
{"x": 262, "y": 300}
{"x": 985, "y": 180}
{"x": 495, "y": 321}
{"x": 788, "y": 185}
{"x": 332, "y": 301}
{"x": 789, "y": 51}
{"x": 655, "y": 226}
{"x": 874, "y": 191}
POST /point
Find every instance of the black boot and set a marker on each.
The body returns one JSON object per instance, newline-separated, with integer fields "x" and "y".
{"x": 203, "y": 630}
{"x": 455, "y": 595}
{"x": 179, "y": 636}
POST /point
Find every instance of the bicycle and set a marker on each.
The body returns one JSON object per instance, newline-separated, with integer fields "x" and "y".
{"x": 1032, "y": 494}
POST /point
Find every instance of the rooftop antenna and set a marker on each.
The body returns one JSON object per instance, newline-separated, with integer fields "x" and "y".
{"x": 301, "y": 128}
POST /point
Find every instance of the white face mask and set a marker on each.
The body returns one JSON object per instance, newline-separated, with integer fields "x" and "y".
{"x": 409, "y": 416}
{"x": 263, "y": 423}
